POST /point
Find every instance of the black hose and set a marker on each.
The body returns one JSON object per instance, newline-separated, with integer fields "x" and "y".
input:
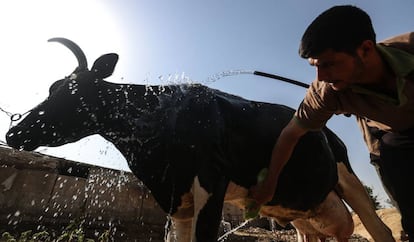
{"x": 298, "y": 83}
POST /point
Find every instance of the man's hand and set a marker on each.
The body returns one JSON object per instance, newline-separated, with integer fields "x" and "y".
{"x": 253, "y": 206}
{"x": 262, "y": 192}
{"x": 259, "y": 195}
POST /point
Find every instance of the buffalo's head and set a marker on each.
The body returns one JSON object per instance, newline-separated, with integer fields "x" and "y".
{"x": 68, "y": 114}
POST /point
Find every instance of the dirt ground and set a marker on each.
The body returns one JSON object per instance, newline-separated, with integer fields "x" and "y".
{"x": 390, "y": 216}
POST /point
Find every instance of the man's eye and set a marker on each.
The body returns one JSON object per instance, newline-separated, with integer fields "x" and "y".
{"x": 326, "y": 64}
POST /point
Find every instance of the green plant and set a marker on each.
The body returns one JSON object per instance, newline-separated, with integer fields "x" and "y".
{"x": 373, "y": 197}
{"x": 74, "y": 232}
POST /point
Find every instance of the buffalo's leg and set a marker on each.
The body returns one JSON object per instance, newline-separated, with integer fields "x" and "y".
{"x": 180, "y": 225}
{"x": 208, "y": 212}
{"x": 353, "y": 192}
{"x": 179, "y": 230}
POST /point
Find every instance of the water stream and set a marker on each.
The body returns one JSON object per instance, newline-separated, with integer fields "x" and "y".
{"x": 222, "y": 74}
{"x": 225, "y": 235}
{"x": 184, "y": 79}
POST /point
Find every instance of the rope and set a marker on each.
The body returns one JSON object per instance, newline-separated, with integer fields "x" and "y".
{"x": 13, "y": 116}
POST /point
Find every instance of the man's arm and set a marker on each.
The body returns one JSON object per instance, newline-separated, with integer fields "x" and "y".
{"x": 289, "y": 137}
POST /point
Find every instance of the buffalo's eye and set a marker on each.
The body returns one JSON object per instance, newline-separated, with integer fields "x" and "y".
{"x": 73, "y": 76}
{"x": 55, "y": 86}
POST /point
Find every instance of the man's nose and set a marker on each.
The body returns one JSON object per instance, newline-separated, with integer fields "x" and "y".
{"x": 321, "y": 74}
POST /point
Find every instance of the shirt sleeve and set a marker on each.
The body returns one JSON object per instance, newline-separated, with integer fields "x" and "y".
{"x": 317, "y": 107}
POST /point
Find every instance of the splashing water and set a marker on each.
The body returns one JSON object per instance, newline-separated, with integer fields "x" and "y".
{"x": 183, "y": 78}
{"x": 222, "y": 74}
{"x": 175, "y": 79}
{"x": 225, "y": 235}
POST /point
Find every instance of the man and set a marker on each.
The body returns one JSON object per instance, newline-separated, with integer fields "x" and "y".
{"x": 375, "y": 82}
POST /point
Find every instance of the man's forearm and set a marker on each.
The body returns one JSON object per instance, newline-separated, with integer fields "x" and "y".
{"x": 280, "y": 155}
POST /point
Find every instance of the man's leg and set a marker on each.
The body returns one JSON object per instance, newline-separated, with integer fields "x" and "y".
{"x": 395, "y": 168}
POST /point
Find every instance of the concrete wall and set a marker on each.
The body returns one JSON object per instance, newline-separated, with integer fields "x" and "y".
{"x": 38, "y": 190}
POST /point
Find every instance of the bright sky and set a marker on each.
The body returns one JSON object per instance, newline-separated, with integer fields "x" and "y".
{"x": 154, "y": 38}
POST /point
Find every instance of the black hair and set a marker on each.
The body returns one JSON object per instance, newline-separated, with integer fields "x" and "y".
{"x": 340, "y": 28}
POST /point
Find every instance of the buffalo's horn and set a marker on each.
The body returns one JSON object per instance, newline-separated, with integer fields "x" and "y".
{"x": 76, "y": 50}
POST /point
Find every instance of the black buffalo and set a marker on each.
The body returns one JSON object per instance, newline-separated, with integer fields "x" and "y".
{"x": 188, "y": 142}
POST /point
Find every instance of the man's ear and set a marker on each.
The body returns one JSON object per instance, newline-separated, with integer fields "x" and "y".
{"x": 366, "y": 48}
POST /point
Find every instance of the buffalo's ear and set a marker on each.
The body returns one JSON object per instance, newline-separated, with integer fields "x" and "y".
{"x": 104, "y": 66}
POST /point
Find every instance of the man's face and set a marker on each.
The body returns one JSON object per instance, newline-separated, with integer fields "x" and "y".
{"x": 339, "y": 69}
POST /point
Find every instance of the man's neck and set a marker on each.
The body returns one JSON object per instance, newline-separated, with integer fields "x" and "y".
{"x": 380, "y": 76}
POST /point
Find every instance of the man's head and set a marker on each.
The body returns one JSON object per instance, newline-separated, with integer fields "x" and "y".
{"x": 339, "y": 43}
{"x": 340, "y": 28}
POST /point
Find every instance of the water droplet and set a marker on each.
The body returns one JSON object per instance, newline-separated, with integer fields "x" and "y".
{"x": 222, "y": 74}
